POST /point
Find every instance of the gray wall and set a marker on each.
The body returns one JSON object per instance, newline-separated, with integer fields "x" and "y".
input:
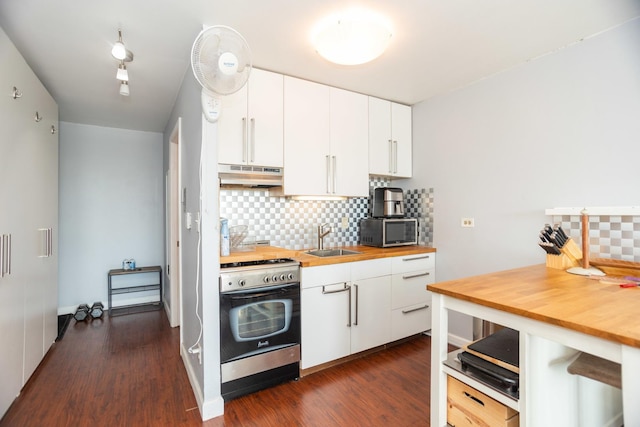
{"x": 199, "y": 279}
{"x": 111, "y": 207}
{"x": 561, "y": 130}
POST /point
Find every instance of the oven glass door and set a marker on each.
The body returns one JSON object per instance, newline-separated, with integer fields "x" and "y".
{"x": 259, "y": 320}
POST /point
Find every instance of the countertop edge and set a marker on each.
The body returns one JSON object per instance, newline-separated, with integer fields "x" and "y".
{"x": 306, "y": 260}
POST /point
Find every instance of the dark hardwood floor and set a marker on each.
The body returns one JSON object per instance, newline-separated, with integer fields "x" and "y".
{"x": 127, "y": 371}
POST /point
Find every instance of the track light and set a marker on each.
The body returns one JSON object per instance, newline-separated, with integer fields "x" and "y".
{"x": 122, "y": 74}
{"x": 124, "y": 88}
{"x": 119, "y": 51}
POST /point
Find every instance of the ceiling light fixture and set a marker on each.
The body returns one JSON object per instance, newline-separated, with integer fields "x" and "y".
{"x": 353, "y": 37}
{"x": 119, "y": 51}
{"x": 122, "y": 73}
{"x": 124, "y": 88}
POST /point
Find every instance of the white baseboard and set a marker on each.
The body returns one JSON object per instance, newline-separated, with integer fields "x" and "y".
{"x": 458, "y": 341}
{"x": 208, "y": 408}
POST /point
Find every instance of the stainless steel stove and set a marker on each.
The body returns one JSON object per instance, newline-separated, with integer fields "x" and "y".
{"x": 259, "y": 325}
{"x": 252, "y": 274}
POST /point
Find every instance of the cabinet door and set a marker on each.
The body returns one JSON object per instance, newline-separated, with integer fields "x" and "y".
{"x": 371, "y": 313}
{"x": 16, "y": 216}
{"x": 325, "y": 320}
{"x": 410, "y": 320}
{"x": 380, "y": 143}
{"x": 390, "y": 138}
{"x": 306, "y": 138}
{"x": 265, "y": 118}
{"x": 48, "y": 216}
{"x": 349, "y": 143}
{"x": 232, "y": 128}
{"x": 402, "y": 139}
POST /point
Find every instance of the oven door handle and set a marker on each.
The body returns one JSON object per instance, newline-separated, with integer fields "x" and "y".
{"x": 261, "y": 292}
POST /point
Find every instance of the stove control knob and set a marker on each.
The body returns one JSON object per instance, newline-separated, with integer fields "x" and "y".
{"x": 274, "y": 278}
{"x": 266, "y": 279}
{"x": 283, "y": 277}
{"x": 290, "y": 276}
{"x": 242, "y": 282}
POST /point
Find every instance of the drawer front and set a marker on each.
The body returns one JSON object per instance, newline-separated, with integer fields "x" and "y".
{"x": 411, "y": 320}
{"x": 370, "y": 268}
{"x": 323, "y": 275}
{"x": 404, "y": 264}
{"x": 466, "y": 406}
{"x": 411, "y": 288}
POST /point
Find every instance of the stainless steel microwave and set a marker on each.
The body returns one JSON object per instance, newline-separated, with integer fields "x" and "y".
{"x": 388, "y": 232}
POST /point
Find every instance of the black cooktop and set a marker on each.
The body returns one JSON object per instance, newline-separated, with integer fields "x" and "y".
{"x": 265, "y": 262}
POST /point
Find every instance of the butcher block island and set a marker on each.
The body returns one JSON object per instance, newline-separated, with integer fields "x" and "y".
{"x": 560, "y": 317}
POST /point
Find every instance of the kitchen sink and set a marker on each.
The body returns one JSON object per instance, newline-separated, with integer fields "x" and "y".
{"x": 331, "y": 252}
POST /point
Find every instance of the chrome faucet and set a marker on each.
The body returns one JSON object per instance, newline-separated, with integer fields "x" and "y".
{"x": 322, "y": 234}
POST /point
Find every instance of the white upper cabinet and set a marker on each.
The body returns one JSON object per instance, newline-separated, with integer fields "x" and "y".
{"x": 349, "y": 142}
{"x": 389, "y": 138}
{"x": 250, "y": 127}
{"x": 325, "y": 140}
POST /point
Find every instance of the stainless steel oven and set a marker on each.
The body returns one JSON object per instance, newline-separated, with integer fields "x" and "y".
{"x": 259, "y": 325}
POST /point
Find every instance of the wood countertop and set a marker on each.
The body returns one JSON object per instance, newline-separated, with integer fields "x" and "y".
{"x": 556, "y": 297}
{"x": 306, "y": 260}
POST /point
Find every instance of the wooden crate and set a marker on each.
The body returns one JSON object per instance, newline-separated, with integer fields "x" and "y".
{"x": 467, "y": 407}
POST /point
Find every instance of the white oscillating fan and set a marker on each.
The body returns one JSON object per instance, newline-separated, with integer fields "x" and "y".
{"x": 221, "y": 62}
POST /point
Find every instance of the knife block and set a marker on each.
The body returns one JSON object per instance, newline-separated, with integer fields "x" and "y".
{"x": 571, "y": 256}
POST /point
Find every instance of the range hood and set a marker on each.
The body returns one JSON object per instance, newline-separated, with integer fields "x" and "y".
{"x": 250, "y": 176}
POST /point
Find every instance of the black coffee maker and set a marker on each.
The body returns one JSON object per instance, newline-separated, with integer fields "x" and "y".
{"x": 387, "y": 202}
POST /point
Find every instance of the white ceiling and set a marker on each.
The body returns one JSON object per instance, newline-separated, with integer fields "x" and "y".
{"x": 437, "y": 46}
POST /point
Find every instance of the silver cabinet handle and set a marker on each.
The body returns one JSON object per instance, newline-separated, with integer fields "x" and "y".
{"x": 328, "y": 161}
{"x": 53, "y": 130}
{"x": 411, "y": 276}
{"x": 411, "y": 310}
{"x": 9, "y": 255}
{"x": 44, "y": 242}
{"x": 395, "y": 156}
{"x": 1, "y": 255}
{"x": 345, "y": 288}
{"x": 15, "y": 93}
{"x": 357, "y": 299}
{"x": 418, "y": 257}
{"x": 37, "y": 117}
{"x": 252, "y": 141}
{"x": 390, "y": 156}
{"x": 244, "y": 139}
{"x": 50, "y": 242}
{"x": 333, "y": 174}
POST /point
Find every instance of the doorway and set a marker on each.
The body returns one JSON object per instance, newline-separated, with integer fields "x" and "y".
{"x": 173, "y": 220}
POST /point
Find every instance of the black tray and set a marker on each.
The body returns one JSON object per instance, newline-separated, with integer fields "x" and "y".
{"x": 492, "y": 373}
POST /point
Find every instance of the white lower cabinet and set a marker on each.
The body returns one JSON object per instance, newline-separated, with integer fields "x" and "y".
{"x": 325, "y": 311}
{"x": 351, "y": 307}
{"x": 370, "y": 304}
{"x": 410, "y": 301}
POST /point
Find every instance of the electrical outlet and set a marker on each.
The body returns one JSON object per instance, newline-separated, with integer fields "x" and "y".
{"x": 467, "y": 223}
{"x": 345, "y": 222}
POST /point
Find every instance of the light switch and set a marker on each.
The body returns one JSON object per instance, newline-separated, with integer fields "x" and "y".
{"x": 187, "y": 219}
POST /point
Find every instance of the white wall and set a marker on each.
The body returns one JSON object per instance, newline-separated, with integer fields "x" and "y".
{"x": 111, "y": 207}
{"x": 199, "y": 280}
{"x": 561, "y": 130}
